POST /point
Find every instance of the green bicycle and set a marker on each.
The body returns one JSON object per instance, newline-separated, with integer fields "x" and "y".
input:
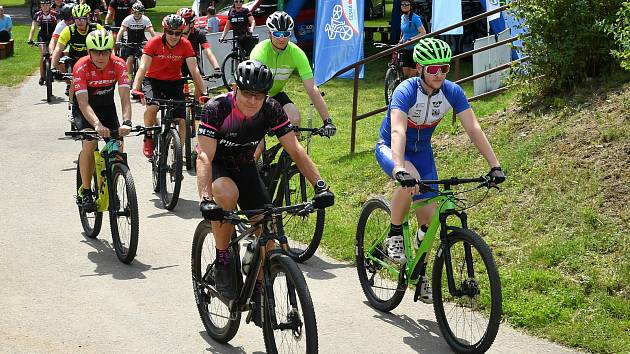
{"x": 465, "y": 279}
{"x": 113, "y": 186}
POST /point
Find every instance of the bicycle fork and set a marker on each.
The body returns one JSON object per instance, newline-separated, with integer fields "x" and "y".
{"x": 446, "y": 249}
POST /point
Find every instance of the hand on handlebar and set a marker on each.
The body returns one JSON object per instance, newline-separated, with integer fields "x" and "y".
{"x": 329, "y": 129}
{"x": 222, "y": 40}
{"x": 203, "y": 99}
{"x": 138, "y": 95}
{"x": 407, "y": 181}
{"x": 30, "y": 42}
{"x": 57, "y": 74}
{"x": 217, "y": 73}
{"x": 323, "y": 198}
{"x": 102, "y": 130}
{"x": 496, "y": 176}
{"x": 210, "y": 210}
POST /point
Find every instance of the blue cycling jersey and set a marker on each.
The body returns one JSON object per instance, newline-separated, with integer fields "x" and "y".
{"x": 423, "y": 112}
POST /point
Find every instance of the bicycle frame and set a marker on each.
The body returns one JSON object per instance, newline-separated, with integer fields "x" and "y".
{"x": 415, "y": 267}
{"x": 104, "y": 159}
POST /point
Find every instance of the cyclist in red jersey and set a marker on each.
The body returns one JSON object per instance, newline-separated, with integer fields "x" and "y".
{"x": 197, "y": 38}
{"x": 161, "y": 62}
{"x": 94, "y": 79}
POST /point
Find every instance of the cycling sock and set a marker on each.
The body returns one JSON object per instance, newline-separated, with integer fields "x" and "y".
{"x": 223, "y": 256}
{"x": 395, "y": 230}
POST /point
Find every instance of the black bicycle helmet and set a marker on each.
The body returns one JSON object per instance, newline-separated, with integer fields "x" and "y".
{"x": 254, "y": 76}
{"x": 280, "y": 21}
{"x": 66, "y": 11}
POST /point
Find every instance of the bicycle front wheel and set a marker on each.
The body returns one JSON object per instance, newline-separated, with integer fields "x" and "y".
{"x": 220, "y": 323}
{"x": 171, "y": 170}
{"x": 304, "y": 233}
{"x": 155, "y": 163}
{"x": 469, "y": 314}
{"x": 91, "y": 222}
{"x": 379, "y": 275}
{"x": 188, "y": 143}
{"x": 228, "y": 67}
{"x": 392, "y": 79}
{"x": 123, "y": 213}
{"x": 49, "y": 80}
{"x": 289, "y": 324}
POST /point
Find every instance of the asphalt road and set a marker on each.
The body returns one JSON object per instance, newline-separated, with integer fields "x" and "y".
{"x": 62, "y": 292}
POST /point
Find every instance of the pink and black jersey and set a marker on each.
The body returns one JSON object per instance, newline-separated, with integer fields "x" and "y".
{"x": 237, "y": 135}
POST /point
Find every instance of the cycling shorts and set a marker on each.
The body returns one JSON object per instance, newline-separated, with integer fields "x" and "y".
{"x": 407, "y": 59}
{"x": 127, "y": 51}
{"x": 106, "y": 114}
{"x": 282, "y": 98}
{"x": 154, "y": 88}
{"x": 252, "y": 193}
{"x": 422, "y": 160}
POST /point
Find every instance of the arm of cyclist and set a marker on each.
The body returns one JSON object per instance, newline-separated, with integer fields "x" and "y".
{"x": 145, "y": 63}
{"x": 320, "y": 105}
{"x": 30, "y": 33}
{"x": 213, "y": 61}
{"x": 151, "y": 31}
{"x": 323, "y": 196}
{"x": 121, "y": 32}
{"x": 191, "y": 62}
{"x": 110, "y": 15}
{"x": 226, "y": 29}
{"x": 252, "y": 24}
{"x": 125, "y": 101}
{"x": 477, "y": 136}
{"x": 399, "y": 137}
{"x": 205, "y": 154}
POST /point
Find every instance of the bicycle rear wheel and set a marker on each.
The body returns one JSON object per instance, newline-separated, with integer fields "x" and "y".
{"x": 49, "y": 79}
{"x": 304, "y": 233}
{"x": 392, "y": 79}
{"x": 91, "y": 222}
{"x": 171, "y": 169}
{"x": 123, "y": 213}
{"x": 228, "y": 67}
{"x": 289, "y": 324}
{"x": 220, "y": 323}
{"x": 469, "y": 316}
{"x": 383, "y": 288}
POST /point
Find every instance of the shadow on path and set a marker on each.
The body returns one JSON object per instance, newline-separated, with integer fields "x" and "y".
{"x": 104, "y": 256}
{"x": 317, "y": 268}
{"x": 216, "y": 347}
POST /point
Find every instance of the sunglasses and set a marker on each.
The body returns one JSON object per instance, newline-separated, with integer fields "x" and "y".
{"x": 80, "y": 18}
{"x": 436, "y": 69}
{"x": 249, "y": 94}
{"x": 281, "y": 34}
{"x": 405, "y": 4}
{"x": 238, "y": 1}
{"x": 173, "y": 33}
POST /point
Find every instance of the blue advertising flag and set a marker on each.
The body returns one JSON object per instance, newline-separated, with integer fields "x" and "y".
{"x": 338, "y": 37}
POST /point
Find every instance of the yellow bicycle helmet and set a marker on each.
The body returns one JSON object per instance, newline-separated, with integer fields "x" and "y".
{"x": 99, "y": 40}
{"x": 82, "y": 10}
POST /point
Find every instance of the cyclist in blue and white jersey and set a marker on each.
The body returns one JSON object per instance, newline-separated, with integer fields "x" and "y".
{"x": 404, "y": 149}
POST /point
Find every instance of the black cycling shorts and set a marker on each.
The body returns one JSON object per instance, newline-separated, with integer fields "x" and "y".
{"x": 407, "y": 59}
{"x": 106, "y": 114}
{"x": 127, "y": 51}
{"x": 154, "y": 88}
{"x": 282, "y": 98}
{"x": 252, "y": 193}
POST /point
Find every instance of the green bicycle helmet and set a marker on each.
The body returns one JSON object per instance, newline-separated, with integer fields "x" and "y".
{"x": 431, "y": 51}
{"x": 99, "y": 40}
{"x": 82, "y": 10}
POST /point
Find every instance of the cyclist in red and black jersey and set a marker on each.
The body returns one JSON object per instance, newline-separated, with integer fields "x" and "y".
{"x": 231, "y": 127}
{"x": 94, "y": 78}
{"x": 198, "y": 40}
{"x": 98, "y": 7}
{"x": 46, "y": 20}
{"x": 161, "y": 62}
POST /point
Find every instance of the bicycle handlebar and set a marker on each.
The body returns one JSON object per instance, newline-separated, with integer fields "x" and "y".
{"x": 167, "y": 102}
{"x": 233, "y": 217}
{"x": 93, "y": 135}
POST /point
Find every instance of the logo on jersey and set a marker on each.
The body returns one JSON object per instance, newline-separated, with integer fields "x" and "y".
{"x": 436, "y": 104}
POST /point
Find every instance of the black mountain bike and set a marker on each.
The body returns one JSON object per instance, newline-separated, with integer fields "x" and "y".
{"x": 115, "y": 192}
{"x": 288, "y": 186}
{"x": 288, "y": 316}
{"x": 394, "y": 74}
{"x": 167, "y": 160}
{"x": 231, "y": 61}
{"x": 47, "y": 73}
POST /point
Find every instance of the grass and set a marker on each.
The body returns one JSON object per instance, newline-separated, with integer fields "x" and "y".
{"x": 24, "y": 61}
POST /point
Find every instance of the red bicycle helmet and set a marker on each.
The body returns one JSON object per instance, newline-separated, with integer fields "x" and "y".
{"x": 187, "y": 14}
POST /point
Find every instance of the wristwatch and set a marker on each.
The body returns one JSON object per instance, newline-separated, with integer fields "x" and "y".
{"x": 320, "y": 184}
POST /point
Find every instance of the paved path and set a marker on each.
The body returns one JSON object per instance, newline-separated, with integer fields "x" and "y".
{"x": 62, "y": 292}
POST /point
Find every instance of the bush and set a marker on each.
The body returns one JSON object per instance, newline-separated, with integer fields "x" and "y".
{"x": 567, "y": 42}
{"x": 620, "y": 30}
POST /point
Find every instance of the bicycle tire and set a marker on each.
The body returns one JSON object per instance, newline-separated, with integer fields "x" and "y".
{"x": 294, "y": 284}
{"x": 391, "y": 290}
{"x": 202, "y": 280}
{"x": 229, "y": 65}
{"x": 155, "y": 163}
{"x": 125, "y": 209}
{"x": 171, "y": 171}
{"x": 300, "y": 230}
{"x": 49, "y": 80}
{"x": 90, "y": 228}
{"x": 483, "y": 259}
{"x": 188, "y": 139}
{"x": 392, "y": 79}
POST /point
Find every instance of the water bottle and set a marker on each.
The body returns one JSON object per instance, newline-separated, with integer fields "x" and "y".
{"x": 420, "y": 235}
{"x": 248, "y": 257}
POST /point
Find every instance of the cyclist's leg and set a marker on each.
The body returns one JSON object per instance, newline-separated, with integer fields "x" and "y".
{"x": 42, "y": 51}
{"x": 152, "y": 89}
{"x": 408, "y": 64}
